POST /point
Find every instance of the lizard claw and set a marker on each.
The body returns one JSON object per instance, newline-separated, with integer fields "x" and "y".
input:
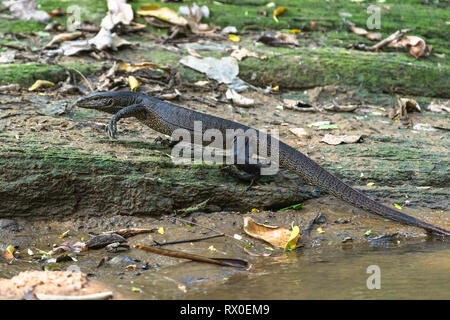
{"x": 111, "y": 129}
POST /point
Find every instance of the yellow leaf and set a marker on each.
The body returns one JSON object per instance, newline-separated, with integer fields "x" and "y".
{"x": 320, "y": 230}
{"x": 295, "y": 31}
{"x": 161, "y": 230}
{"x": 292, "y": 242}
{"x": 64, "y": 234}
{"x": 370, "y": 184}
{"x": 254, "y": 210}
{"x": 277, "y": 12}
{"x": 234, "y": 37}
{"x": 361, "y": 175}
{"x": 134, "y": 83}
{"x": 164, "y": 14}
{"x": 135, "y": 289}
{"x": 275, "y": 89}
{"x": 399, "y": 207}
{"x": 41, "y": 83}
{"x": 132, "y": 67}
{"x": 9, "y": 254}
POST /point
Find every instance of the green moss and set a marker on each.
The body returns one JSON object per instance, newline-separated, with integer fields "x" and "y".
{"x": 375, "y": 72}
{"x": 27, "y": 73}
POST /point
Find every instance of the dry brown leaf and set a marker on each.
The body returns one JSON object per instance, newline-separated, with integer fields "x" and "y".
{"x": 335, "y": 140}
{"x": 436, "y": 106}
{"x": 194, "y": 53}
{"x": 415, "y": 45}
{"x": 373, "y": 35}
{"x": 238, "y": 99}
{"x": 64, "y": 37}
{"x": 300, "y": 132}
{"x": 241, "y": 53}
{"x": 364, "y": 32}
{"x": 276, "y": 236}
{"x": 341, "y": 108}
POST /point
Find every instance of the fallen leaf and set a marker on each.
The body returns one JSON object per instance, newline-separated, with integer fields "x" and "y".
{"x": 280, "y": 39}
{"x": 238, "y": 99}
{"x": 26, "y": 10}
{"x": 234, "y": 37}
{"x": 363, "y": 32}
{"x": 132, "y": 67}
{"x": 64, "y": 234}
{"x": 399, "y": 207}
{"x": 194, "y": 53}
{"x": 9, "y": 254}
{"x": 134, "y": 83}
{"x": 335, "y": 140}
{"x": 320, "y": 230}
{"x": 118, "y": 12}
{"x": 341, "y": 108}
{"x": 66, "y": 36}
{"x": 293, "y": 238}
{"x": 161, "y": 230}
{"x": 277, "y": 12}
{"x": 40, "y": 84}
{"x": 276, "y": 236}
{"x": 241, "y": 53}
{"x": 164, "y": 14}
{"x": 195, "y": 10}
{"x": 223, "y": 70}
{"x": 436, "y": 106}
{"x": 300, "y": 132}
{"x": 327, "y": 127}
{"x": 7, "y": 56}
{"x": 319, "y": 123}
{"x": 415, "y": 45}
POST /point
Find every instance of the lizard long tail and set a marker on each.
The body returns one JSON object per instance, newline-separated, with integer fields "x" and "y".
{"x": 300, "y": 164}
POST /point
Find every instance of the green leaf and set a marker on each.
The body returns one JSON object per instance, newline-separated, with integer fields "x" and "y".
{"x": 328, "y": 127}
{"x": 297, "y": 206}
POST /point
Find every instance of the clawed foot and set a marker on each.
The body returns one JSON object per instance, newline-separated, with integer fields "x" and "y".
{"x": 111, "y": 129}
{"x": 242, "y": 175}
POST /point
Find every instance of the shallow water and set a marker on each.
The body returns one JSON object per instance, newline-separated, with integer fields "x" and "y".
{"x": 326, "y": 268}
{"x": 416, "y": 272}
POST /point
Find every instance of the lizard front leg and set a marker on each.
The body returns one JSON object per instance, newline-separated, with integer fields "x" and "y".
{"x": 130, "y": 111}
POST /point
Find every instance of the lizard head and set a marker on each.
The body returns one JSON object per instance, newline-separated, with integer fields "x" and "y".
{"x": 110, "y": 102}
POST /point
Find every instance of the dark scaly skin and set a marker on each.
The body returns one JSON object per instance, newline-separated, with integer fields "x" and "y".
{"x": 165, "y": 118}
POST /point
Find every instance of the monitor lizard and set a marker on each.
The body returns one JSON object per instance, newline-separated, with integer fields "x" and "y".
{"x": 165, "y": 118}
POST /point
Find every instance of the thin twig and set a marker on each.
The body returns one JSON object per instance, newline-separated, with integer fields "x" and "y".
{"x": 395, "y": 36}
{"x": 85, "y": 79}
{"x": 237, "y": 263}
{"x": 95, "y": 296}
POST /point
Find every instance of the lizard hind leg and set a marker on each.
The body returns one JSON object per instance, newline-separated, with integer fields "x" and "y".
{"x": 244, "y": 168}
